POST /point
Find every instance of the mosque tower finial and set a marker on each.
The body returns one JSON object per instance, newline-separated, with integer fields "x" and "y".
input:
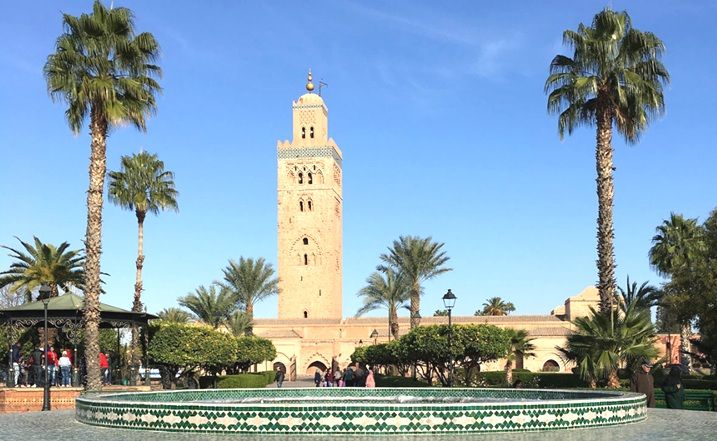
{"x": 309, "y": 84}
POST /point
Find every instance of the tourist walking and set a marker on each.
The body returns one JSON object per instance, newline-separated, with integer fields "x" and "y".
{"x": 337, "y": 377}
{"x": 105, "y": 368}
{"x": 328, "y": 378}
{"x": 370, "y": 381}
{"x": 672, "y": 387}
{"x": 65, "y": 369}
{"x": 642, "y": 382}
{"x": 317, "y": 378}
{"x": 51, "y": 366}
{"x": 348, "y": 377}
{"x": 279, "y": 377}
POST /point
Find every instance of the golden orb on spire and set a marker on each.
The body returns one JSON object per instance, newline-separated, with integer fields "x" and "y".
{"x": 309, "y": 84}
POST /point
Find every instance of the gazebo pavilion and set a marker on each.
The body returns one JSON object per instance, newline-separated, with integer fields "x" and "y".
{"x": 64, "y": 313}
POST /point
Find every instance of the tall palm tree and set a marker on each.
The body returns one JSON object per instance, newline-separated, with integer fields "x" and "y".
{"x": 603, "y": 342}
{"x": 520, "y": 346}
{"x": 211, "y": 306}
{"x": 249, "y": 281}
{"x": 614, "y": 77}
{"x": 104, "y": 72}
{"x": 385, "y": 289}
{"x": 645, "y": 296}
{"x": 44, "y": 264}
{"x": 143, "y": 186}
{"x": 677, "y": 249}
{"x": 496, "y": 306}
{"x": 418, "y": 259}
{"x": 239, "y": 324}
{"x": 174, "y": 315}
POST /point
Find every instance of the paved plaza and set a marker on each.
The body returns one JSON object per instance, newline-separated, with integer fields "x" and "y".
{"x": 662, "y": 424}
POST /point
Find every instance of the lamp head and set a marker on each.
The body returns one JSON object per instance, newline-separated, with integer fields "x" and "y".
{"x": 374, "y": 334}
{"x": 449, "y": 300}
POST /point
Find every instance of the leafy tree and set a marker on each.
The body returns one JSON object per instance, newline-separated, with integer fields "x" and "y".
{"x": 520, "y": 346}
{"x": 603, "y": 342}
{"x": 249, "y": 281}
{"x": 143, "y": 186}
{"x": 209, "y": 305}
{"x": 104, "y": 72}
{"x": 496, "y": 306}
{"x": 253, "y": 350}
{"x": 174, "y": 315}
{"x": 43, "y": 264}
{"x": 417, "y": 259}
{"x": 385, "y": 289}
{"x": 614, "y": 78}
{"x": 440, "y": 313}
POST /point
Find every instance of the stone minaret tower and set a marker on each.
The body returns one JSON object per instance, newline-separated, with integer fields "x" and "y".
{"x": 310, "y": 215}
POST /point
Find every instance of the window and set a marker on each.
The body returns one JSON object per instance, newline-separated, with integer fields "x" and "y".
{"x": 311, "y": 132}
{"x": 303, "y": 133}
{"x": 319, "y": 293}
{"x": 306, "y": 241}
{"x": 551, "y": 366}
{"x": 311, "y": 180}
{"x": 306, "y": 259}
{"x": 301, "y": 205}
{"x": 310, "y": 207}
{"x": 301, "y": 178}
{"x": 306, "y": 314}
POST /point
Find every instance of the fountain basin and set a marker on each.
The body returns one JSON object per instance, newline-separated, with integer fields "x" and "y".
{"x": 360, "y": 410}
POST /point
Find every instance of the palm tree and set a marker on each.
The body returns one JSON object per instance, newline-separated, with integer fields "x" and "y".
{"x": 174, "y": 315}
{"x": 144, "y": 186}
{"x": 645, "y": 296}
{"x": 418, "y": 259}
{"x": 44, "y": 264}
{"x": 520, "y": 347}
{"x": 209, "y": 306}
{"x": 677, "y": 249}
{"x": 604, "y": 342}
{"x": 613, "y": 78}
{"x": 496, "y": 306}
{"x": 239, "y": 324}
{"x": 104, "y": 72}
{"x": 249, "y": 282}
{"x": 385, "y": 289}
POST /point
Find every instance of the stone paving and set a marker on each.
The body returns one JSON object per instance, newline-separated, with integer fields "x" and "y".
{"x": 662, "y": 424}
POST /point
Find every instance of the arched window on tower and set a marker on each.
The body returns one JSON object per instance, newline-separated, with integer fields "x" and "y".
{"x": 311, "y": 178}
{"x": 306, "y": 259}
{"x": 301, "y": 178}
{"x": 301, "y": 205}
{"x": 303, "y": 133}
{"x": 306, "y": 314}
{"x": 311, "y": 132}
{"x": 311, "y": 208}
{"x": 306, "y": 241}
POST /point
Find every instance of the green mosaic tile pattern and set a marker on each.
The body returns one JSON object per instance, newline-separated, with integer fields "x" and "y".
{"x": 532, "y": 410}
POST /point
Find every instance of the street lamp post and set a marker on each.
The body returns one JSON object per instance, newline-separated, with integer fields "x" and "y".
{"x": 45, "y": 295}
{"x": 374, "y": 336}
{"x": 449, "y": 301}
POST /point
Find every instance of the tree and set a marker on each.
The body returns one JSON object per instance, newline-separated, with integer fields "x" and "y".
{"x": 143, "y": 186}
{"x": 614, "y": 78}
{"x": 496, "y": 306}
{"x": 239, "y": 324}
{"x": 385, "y": 289}
{"x": 417, "y": 259}
{"x": 104, "y": 72}
{"x": 44, "y": 264}
{"x": 249, "y": 282}
{"x": 253, "y": 350}
{"x": 174, "y": 315}
{"x": 603, "y": 342}
{"x": 211, "y": 307}
{"x": 520, "y": 347}
{"x": 440, "y": 313}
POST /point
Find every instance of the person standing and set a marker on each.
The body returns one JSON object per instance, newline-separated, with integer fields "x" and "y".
{"x": 642, "y": 382}
{"x": 16, "y": 362}
{"x": 105, "y": 368}
{"x": 672, "y": 387}
{"x": 349, "y": 377}
{"x": 279, "y": 377}
{"x": 370, "y": 380}
{"x": 337, "y": 377}
{"x": 317, "y": 377}
{"x": 51, "y": 366}
{"x": 65, "y": 368}
{"x": 37, "y": 373}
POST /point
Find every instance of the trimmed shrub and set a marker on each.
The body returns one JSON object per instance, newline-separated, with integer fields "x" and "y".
{"x": 542, "y": 380}
{"x": 391, "y": 381}
{"x": 243, "y": 381}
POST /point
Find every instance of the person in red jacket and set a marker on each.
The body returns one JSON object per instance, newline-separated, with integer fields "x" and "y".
{"x": 105, "y": 368}
{"x": 51, "y": 365}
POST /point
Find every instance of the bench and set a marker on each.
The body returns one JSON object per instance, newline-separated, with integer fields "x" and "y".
{"x": 695, "y": 399}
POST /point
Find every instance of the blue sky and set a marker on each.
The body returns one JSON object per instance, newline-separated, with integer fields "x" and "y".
{"x": 440, "y": 113}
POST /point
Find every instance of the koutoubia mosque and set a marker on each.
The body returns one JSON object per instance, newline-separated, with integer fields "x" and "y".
{"x": 310, "y": 331}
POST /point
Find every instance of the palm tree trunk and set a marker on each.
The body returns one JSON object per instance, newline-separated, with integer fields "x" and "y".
{"x": 613, "y": 381}
{"x": 605, "y": 193}
{"x": 393, "y": 323}
{"x": 415, "y": 305}
{"x": 509, "y": 371}
{"x": 93, "y": 248}
{"x": 250, "y": 316}
{"x": 137, "y": 301}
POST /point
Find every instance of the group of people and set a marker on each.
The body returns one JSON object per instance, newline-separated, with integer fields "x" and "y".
{"x": 643, "y": 382}
{"x": 352, "y": 376}
{"x": 29, "y": 369}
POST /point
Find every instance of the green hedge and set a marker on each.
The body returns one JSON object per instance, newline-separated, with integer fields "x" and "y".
{"x": 391, "y": 381}
{"x": 542, "y": 380}
{"x": 243, "y": 381}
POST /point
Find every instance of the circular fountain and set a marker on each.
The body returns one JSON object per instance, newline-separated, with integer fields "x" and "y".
{"x": 361, "y": 411}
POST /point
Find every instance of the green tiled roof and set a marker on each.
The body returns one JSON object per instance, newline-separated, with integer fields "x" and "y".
{"x": 65, "y": 302}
